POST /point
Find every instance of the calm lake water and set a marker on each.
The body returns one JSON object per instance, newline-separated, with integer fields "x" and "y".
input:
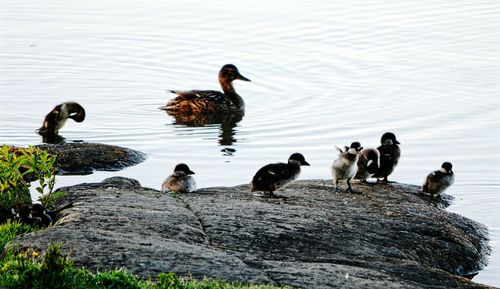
{"x": 323, "y": 73}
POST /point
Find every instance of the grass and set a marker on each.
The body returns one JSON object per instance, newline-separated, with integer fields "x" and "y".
{"x": 11, "y": 229}
{"x": 29, "y": 269}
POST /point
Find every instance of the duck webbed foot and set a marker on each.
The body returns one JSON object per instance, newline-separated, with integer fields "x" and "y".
{"x": 350, "y": 189}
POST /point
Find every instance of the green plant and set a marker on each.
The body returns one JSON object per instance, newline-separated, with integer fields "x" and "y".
{"x": 13, "y": 186}
{"x": 11, "y": 229}
{"x": 30, "y": 269}
{"x": 17, "y": 165}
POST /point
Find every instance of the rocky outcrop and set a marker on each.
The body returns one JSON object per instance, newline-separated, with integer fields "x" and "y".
{"x": 84, "y": 158}
{"x": 386, "y": 237}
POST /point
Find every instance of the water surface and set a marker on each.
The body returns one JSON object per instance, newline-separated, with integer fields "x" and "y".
{"x": 323, "y": 73}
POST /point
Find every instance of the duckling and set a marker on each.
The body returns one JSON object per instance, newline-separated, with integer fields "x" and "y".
{"x": 56, "y": 119}
{"x": 367, "y": 164}
{"x": 23, "y": 214}
{"x": 180, "y": 181}
{"x": 438, "y": 181}
{"x": 273, "y": 177}
{"x": 210, "y": 101}
{"x": 344, "y": 168}
{"x": 389, "y": 156}
{"x": 38, "y": 211}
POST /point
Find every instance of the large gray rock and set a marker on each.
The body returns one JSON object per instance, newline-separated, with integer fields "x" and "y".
{"x": 84, "y": 158}
{"x": 386, "y": 237}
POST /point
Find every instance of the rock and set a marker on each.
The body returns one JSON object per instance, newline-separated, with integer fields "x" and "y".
{"x": 386, "y": 237}
{"x": 84, "y": 158}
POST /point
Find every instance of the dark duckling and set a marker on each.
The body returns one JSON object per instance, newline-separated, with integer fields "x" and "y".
{"x": 368, "y": 162}
{"x": 273, "y": 177}
{"x": 345, "y": 168}
{"x": 210, "y": 101}
{"x": 23, "y": 215}
{"x": 38, "y": 211}
{"x": 438, "y": 181}
{"x": 56, "y": 119}
{"x": 180, "y": 181}
{"x": 389, "y": 156}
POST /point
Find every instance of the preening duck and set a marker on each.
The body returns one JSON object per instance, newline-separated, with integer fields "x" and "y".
{"x": 273, "y": 177}
{"x": 368, "y": 162}
{"x": 210, "y": 101}
{"x": 57, "y": 117}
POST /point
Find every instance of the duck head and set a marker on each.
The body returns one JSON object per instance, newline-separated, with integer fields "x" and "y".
{"x": 182, "y": 170}
{"x": 389, "y": 138}
{"x": 229, "y": 72}
{"x": 355, "y": 148}
{"x": 446, "y": 167}
{"x": 298, "y": 159}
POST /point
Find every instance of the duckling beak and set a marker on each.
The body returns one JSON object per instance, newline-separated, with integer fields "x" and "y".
{"x": 241, "y": 77}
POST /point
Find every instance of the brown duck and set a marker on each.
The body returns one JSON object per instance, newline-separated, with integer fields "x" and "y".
{"x": 210, "y": 101}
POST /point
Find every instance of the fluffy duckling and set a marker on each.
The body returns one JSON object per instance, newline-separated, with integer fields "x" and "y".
{"x": 368, "y": 162}
{"x": 210, "y": 101}
{"x": 438, "y": 181}
{"x": 56, "y": 118}
{"x": 273, "y": 177}
{"x": 389, "y": 156}
{"x": 180, "y": 181}
{"x": 344, "y": 168}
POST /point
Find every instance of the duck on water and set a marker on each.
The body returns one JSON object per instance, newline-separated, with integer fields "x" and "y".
{"x": 210, "y": 101}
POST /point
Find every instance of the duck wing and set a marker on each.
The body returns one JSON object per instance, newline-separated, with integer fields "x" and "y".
{"x": 200, "y": 101}
{"x": 192, "y": 94}
{"x": 266, "y": 178}
{"x": 432, "y": 182}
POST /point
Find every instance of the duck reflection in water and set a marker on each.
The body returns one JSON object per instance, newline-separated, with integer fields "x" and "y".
{"x": 197, "y": 108}
{"x": 227, "y": 131}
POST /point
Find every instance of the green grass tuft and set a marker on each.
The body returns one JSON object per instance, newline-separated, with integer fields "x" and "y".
{"x": 11, "y": 229}
{"x": 23, "y": 269}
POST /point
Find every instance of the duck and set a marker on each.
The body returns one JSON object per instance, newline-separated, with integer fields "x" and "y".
{"x": 276, "y": 176}
{"x": 389, "y": 156}
{"x": 38, "y": 211}
{"x": 210, "y": 101}
{"x": 438, "y": 181}
{"x": 22, "y": 214}
{"x": 57, "y": 117}
{"x": 368, "y": 162}
{"x": 180, "y": 181}
{"x": 345, "y": 166}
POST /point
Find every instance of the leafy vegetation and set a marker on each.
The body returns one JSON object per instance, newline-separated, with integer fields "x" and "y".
{"x": 11, "y": 229}
{"x": 17, "y": 166}
{"x": 27, "y": 269}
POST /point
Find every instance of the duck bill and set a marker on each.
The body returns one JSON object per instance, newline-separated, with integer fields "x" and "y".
{"x": 241, "y": 77}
